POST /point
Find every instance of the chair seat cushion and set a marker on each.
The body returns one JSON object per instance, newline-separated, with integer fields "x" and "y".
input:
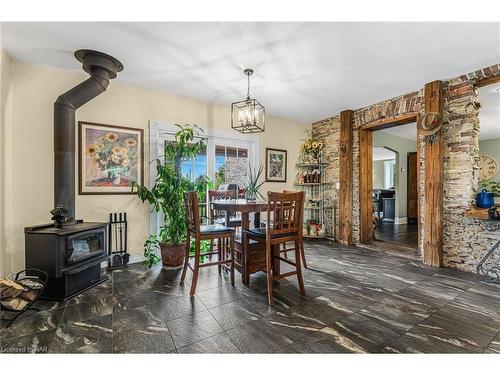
{"x": 214, "y": 228}
{"x": 261, "y": 232}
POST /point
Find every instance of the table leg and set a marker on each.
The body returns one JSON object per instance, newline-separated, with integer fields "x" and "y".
{"x": 257, "y": 220}
{"x": 244, "y": 253}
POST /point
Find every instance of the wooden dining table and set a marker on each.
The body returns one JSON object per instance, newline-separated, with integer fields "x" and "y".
{"x": 245, "y": 208}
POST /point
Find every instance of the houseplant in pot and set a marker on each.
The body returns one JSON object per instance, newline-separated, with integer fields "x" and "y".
{"x": 252, "y": 188}
{"x": 167, "y": 196}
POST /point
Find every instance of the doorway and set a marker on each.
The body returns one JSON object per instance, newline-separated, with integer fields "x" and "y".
{"x": 389, "y": 186}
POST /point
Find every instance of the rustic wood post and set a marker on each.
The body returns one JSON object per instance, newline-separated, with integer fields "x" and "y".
{"x": 433, "y": 194}
{"x": 345, "y": 178}
{"x": 365, "y": 185}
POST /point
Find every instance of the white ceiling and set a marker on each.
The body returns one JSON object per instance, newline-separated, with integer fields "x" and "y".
{"x": 489, "y": 113}
{"x": 408, "y": 131}
{"x": 304, "y": 71}
{"x": 382, "y": 153}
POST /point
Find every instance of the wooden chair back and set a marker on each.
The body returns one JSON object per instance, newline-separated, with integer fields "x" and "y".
{"x": 284, "y": 211}
{"x": 192, "y": 211}
{"x": 217, "y": 195}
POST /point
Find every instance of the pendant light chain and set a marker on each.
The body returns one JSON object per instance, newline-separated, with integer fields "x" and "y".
{"x": 248, "y": 86}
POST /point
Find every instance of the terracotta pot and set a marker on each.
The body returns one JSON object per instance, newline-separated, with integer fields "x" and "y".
{"x": 172, "y": 255}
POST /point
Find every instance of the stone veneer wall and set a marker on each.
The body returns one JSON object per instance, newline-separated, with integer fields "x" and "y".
{"x": 465, "y": 240}
{"x": 329, "y": 131}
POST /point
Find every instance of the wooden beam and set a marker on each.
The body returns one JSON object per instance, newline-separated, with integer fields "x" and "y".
{"x": 366, "y": 185}
{"x": 419, "y": 178}
{"x": 345, "y": 178}
{"x": 433, "y": 195}
{"x": 390, "y": 122}
{"x": 487, "y": 81}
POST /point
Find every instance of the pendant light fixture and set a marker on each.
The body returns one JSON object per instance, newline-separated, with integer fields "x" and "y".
{"x": 248, "y": 115}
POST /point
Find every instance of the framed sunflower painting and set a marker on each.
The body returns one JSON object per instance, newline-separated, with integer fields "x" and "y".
{"x": 110, "y": 158}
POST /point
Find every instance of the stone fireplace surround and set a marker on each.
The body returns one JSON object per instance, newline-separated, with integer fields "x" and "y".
{"x": 465, "y": 240}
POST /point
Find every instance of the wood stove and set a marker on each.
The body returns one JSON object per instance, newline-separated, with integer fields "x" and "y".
{"x": 71, "y": 255}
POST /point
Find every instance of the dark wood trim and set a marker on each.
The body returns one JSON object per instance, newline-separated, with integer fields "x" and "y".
{"x": 408, "y": 179}
{"x": 286, "y": 163}
{"x": 487, "y": 81}
{"x": 433, "y": 195}
{"x": 366, "y": 185}
{"x": 390, "y": 122}
{"x": 80, "y": 171}
{"x": 366, "y": 164}
{"x": 345, "y": 177}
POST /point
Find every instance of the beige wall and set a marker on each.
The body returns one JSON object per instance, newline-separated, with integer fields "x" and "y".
{"x": 402, "y": 146}
{"x": 29, "y": 186}
{"x": 5, "y": 117}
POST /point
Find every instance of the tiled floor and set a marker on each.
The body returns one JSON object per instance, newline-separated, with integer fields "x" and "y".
{"x": 358, "y": 301}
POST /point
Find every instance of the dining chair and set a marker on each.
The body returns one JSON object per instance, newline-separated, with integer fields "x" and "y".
{"x": 284, "y": 215}
{"x": 285, "y": 250}
{"x": 205, "y": 232}
{"x": 219, "y": 217}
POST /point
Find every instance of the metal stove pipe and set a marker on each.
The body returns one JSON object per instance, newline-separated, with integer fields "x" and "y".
{"x": 102, "y": 68}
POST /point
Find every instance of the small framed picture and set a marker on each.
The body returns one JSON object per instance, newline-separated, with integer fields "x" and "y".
{"x": 276, "y": 164}
{"x": 111, "y": 158}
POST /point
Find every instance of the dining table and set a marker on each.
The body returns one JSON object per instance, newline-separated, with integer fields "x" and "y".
{"x": 245, "y": 208}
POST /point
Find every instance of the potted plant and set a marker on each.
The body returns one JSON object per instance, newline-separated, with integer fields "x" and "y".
{"x": 489, "y": 190}
{"x": 253, "y": 186}
{"x": 167, "y": 196}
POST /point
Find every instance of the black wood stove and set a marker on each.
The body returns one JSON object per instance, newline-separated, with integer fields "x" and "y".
{"x": 71, "y": 255}
{"x": 71, "y": 251}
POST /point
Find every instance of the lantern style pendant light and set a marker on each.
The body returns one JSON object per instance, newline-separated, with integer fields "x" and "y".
{"x": 248, "y": 115}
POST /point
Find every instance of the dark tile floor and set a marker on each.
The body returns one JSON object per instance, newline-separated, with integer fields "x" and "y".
{"x": 404, "y": 234}
{"x": 358, "y": 301}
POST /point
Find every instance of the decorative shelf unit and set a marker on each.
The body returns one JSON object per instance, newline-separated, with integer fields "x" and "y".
{"x": 318, "y": 216}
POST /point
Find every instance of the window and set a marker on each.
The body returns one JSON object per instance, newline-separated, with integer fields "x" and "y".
{"x": 192, "y": 169}
{"x": 389, "y": 170}
{"x": 226, "y": 156}
{"x": 231, "y": 165}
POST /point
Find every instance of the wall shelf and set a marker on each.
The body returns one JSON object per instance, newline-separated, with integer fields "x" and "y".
{"x": 322, "y": 214}
{"x": 320, "y": 208}
{"x": 311, "y": 183}
{"x": 313, "y": 165}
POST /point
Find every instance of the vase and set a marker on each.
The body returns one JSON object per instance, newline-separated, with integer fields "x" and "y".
{"x": 251, "y": 196}
{"x": 172, "y": 255}
{"x": 116, "y": 180}
{"x": 484, "y": 199}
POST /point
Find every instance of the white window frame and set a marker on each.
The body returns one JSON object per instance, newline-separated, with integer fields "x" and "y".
{"x": 159, "y": 131}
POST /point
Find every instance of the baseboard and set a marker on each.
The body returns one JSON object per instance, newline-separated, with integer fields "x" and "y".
{"x": 136, "y": 259}
{"x": 133, "y": 259}
{"x": 401, "y": 220}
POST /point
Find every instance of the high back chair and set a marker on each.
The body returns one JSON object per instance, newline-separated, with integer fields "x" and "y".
{"x": 205, "y": 232}
{"x": 302, "y": 252}
{"x": 219, "y": 217}
{"x": 284, "y": 215}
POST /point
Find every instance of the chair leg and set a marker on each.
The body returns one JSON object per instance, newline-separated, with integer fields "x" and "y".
{"x": 186, "y": 257}
{"x": 232, "y": 258}
{"x": 303, "y": 253}
{"x": 298, "y": 267}
{"x": 244, "y": 264}
{"x": 284, "y": 248}
{"x": 220, "y": 249}
{"x": 269, "y": 264}
{"x": 196, "y": 268}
